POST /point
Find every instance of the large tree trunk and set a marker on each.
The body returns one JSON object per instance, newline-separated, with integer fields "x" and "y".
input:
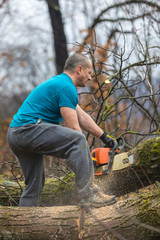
{"x": 133, "y": 217}
{"x": 59, "y": 37}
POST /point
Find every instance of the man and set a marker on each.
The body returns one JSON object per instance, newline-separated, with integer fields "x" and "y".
{"x": 34, "y": 132}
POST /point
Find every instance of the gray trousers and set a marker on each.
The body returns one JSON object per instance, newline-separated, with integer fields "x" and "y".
{"x": 32, "y": 141}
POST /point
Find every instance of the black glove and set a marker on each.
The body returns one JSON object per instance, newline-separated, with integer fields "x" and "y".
{"x": 108, "y": 140}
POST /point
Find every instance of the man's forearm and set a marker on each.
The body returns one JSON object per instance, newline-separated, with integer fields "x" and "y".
{"x": 88, "y": 124}
{"x": 91, "y": 127}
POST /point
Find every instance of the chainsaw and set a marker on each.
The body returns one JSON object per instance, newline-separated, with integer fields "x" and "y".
{"x": 110, "y": 159}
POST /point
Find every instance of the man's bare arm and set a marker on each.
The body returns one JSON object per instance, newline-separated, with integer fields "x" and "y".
{"x": 70, "y": 118}
{"x": 87, "y": 123}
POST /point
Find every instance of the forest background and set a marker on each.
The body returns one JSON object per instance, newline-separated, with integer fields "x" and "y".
{"x": 122, "y": 39}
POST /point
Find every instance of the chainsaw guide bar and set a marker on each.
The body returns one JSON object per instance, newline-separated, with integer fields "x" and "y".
{"x": 121, "y": 161}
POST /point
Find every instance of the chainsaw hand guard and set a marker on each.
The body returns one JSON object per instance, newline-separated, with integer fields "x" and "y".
{"x": 121, "y": 143}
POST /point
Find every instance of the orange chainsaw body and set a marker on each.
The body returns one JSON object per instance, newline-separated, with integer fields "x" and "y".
{"x": 100, "y": 156}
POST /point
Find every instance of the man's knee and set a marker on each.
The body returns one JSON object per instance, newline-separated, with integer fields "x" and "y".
{"x": 81, "y": 139}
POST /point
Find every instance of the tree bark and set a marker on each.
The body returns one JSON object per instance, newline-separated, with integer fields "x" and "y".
{"x": 59, "y": 37}
{"x": 136, "y": 216}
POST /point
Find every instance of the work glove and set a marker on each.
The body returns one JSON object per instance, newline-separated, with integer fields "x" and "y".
{"x": 108, "y": 140}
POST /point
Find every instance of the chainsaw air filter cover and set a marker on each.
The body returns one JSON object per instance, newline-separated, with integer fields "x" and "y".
{"x": 100, "y": 156}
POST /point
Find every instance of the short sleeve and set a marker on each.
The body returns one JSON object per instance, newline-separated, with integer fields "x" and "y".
{"x": 68, "y": 97}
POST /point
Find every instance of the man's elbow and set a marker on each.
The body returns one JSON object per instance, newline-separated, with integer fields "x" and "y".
{"x": 74, "y": 127}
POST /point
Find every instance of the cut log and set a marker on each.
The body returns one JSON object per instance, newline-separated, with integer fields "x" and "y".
{"x": 136, "y": 216}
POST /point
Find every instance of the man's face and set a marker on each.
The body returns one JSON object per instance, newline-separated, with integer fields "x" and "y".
{"x": 84, "y": 75}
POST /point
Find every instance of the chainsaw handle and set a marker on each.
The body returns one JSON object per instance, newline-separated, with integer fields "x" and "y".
{"x": 114, "y": 148}
{"x": 121, "y": 143}
{"x": 111, "y": 154}
{"x": 118, "y": 144}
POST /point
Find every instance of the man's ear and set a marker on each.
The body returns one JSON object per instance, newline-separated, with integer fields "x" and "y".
{"x": 79, "y": 69}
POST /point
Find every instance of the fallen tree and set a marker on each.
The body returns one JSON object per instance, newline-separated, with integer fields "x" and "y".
{"x": 136, "y": 216}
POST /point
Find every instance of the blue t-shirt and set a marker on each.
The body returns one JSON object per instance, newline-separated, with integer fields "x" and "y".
{"x": 45, "y": 100}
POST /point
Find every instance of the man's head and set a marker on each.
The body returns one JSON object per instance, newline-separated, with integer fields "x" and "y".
{"x": 78, "y": 67}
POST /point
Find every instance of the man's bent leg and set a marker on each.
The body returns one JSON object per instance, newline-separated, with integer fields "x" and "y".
{"x": 70, "y": 144}
{"x": 51, "y": 139}
{"x": 80, "y": 161}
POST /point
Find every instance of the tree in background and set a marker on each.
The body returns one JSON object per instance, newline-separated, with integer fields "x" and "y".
{"x": 60, "y": 46}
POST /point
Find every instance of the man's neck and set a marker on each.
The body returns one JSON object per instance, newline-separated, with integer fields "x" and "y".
{"x": 72, "y": 76}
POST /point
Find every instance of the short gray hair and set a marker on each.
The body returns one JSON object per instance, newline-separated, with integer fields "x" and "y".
{"x": 75, "y": 60}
